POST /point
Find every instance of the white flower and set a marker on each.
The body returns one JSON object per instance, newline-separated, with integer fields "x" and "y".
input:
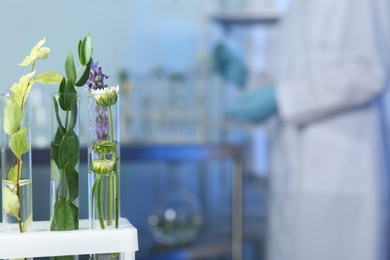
{"x": 107, "y": 96}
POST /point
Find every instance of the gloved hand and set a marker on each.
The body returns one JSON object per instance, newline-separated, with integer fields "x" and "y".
{"x": 230, "y": 67}
{"x": 254, "y": 106}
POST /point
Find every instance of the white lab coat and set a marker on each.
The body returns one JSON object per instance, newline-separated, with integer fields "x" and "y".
{"x": 326, "y": 181}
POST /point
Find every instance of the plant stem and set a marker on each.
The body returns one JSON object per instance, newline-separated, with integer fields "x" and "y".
{"x": 99, "y": 202}
{"x": 115, "y": 160}
{"x": 63, "y": 170}
{"x": 109, "y": 199}
{"x": 19, "y": 163}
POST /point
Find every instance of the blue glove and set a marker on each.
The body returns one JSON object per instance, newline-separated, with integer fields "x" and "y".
{"x": 254, "y": 106}
{"x": 231, "y": 68}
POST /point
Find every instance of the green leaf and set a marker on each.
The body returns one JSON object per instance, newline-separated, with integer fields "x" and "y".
{"x": 73, "y": 113}
{"x": 49, "y": 77}
{"x": 13, "y": 174}
{"x": 84, "y": 75}
{"x": 55, "y": 145}
{"x": 60, "y": 126}
{"x": 63, "y": 217}
{"x": 72, "y": 180}
{"x": 79, "y": 50}
{"x": 11, "y": 202}
{"x": 62, "y": 86}
{"x": 69, "y": 150}
{"x": 63, "y": 257}
{"x": 95, "y": 185}
{"x": 55, "y": 175}
{"x": 19, "y": 143}
{"x": 75, "y": 213}
{"x": 70, "y": 69}
{"x": 26, "y": 223}
{"x": 85, "y": 50}
{"x": 66, "y": 98}
{"x": 12, "y": 117}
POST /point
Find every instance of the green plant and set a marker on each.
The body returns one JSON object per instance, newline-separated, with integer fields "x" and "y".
{"x": 65, "y": 144}
{"x": 19, "y": 143}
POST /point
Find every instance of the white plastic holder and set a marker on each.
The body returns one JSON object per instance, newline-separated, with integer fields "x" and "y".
{"x": 42, "y": 242}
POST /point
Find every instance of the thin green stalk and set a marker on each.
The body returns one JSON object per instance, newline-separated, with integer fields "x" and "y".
{"x": 99, "y": 202}
{"x": 116, "y": 192}
{"x": 115, "y": 159}
{"x": 62, "y": 172}
{"x": 109, "y": 199}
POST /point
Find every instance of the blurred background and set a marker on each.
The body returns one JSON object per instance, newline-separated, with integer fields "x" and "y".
{"x": 164, "y": 55}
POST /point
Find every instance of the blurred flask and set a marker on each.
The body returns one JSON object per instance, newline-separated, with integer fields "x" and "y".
{"x": 177, "y": 217}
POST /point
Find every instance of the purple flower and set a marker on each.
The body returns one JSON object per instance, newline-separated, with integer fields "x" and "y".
{"x": 102, "y": 123}
{"x": 96, "y": 77}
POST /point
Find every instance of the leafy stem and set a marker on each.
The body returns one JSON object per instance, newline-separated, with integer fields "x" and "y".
{"x": 12, "y": 124}
{"x": 65, "y": 144}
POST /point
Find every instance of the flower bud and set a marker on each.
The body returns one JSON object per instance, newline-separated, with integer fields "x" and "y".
{"x": 102, "y": 166}
{"x": 102, "y": 146}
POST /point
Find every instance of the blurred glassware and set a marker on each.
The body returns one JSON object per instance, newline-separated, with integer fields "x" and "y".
{"x": 177, "y": 217}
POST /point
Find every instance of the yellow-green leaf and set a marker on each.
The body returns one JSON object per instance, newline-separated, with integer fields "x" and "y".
{"x": 42, "y": 53}
{"x": 27, "y": 60}
{"x": 13, "y": 174}
{"x": 36, "y": 53}
{"x": 22, "y": 89}
{"x": 26, "y": 223}
{"x": 11, "y": 202}
{"x": 49, "y": 77}
{"x": 19, "y": 143}
{"x": 39, "y": 44}
{"x": 12, "y": 117}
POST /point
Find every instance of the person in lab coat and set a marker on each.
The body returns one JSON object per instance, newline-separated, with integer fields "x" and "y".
{"x": 327, "y": 176}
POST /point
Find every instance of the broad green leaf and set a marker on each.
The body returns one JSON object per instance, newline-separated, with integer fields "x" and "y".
{"x": 55, "y": 175}
{"x": 11, "y": 202}
{"x": 70, "y": 69}
{"x": 13, "y": 174}
{"x": 12, "y": 117}
{"x": 63, "y": 217}
{"x": 69, "y": 150}
{"x": 84, "y": 75}
{"x": 85, "y": 52}
{"x": 26, "y": 223}
{"x": 67, "y": 96}
{"x": 62, "y": 86}
{"x": 75, "y": 212}
{"x": 49, "y": 77}
{"x": 19, "y": 143}
{"x": 72, "y": 180}
{"x": 69, "y": 88}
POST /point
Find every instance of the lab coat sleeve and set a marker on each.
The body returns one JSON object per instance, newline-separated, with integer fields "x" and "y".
{"x": 343, "y": 69}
